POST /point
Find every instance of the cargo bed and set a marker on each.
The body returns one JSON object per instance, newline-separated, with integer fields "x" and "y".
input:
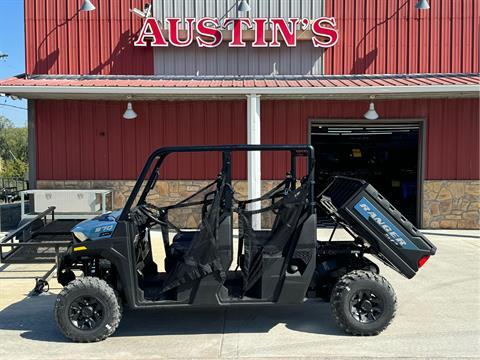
{"x": 358, "y": 206}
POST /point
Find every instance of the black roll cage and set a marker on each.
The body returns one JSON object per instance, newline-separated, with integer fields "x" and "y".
{"x": 160, "y": 154}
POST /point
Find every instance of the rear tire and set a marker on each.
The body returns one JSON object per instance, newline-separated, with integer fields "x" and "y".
{"x": 363, "y": 303}
{"x": 88, "y": 310}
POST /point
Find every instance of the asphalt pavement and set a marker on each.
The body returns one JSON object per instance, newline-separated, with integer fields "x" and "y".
{"x": 438, "y": 317}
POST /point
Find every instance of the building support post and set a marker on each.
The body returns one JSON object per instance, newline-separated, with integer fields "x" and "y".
{"x": 254, "y": 157}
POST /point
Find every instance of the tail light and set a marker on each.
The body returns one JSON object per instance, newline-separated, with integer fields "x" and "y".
{"x": 423, "y": 260}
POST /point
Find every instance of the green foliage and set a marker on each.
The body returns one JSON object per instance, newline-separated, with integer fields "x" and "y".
{"x": 14, "y": 169}
{"x": 13, "y": 149}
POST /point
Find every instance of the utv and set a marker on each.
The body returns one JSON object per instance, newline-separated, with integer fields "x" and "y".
{"x": 278, "y": 261}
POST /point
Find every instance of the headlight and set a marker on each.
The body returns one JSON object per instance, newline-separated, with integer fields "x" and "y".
{"x": 80, "y": 235}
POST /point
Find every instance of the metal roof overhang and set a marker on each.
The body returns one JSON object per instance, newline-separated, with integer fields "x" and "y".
{"x": 153, "y": 93}
{"x": 83, "y": 89}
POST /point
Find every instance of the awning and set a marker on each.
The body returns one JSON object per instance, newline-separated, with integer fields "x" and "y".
{"x": 119, "y": 87}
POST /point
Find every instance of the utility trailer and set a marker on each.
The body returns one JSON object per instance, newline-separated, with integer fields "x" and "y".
{"x": 43, "y": 234}
{"x": 279, "y": 261}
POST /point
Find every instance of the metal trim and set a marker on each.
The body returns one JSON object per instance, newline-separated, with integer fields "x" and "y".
{"x": 472, "y": 90}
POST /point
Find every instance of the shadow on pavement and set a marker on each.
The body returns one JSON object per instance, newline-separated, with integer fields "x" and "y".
{"x": 312, "y": 317}
{"x": 33, "y": 316}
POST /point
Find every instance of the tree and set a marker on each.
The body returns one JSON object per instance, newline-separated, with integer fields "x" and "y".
{"x": 13, "y": 149}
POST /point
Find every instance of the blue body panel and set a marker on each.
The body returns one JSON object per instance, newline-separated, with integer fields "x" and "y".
{"x": 370, "y": 213}
{"x": 100, "y": 227}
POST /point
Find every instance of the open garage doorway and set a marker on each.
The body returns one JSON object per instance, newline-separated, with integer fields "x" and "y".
{"x": 386, "y": 154}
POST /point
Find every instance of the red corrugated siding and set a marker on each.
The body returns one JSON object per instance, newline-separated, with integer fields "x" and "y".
{"x": 62, "y": 40}
{"x": 378, "y": 36}
{"x": 452, "y": 148}
{"x": 81, "y": 140}
{"x": 86, "y": 140}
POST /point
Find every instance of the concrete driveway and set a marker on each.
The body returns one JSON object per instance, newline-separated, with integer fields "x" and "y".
{"x": 438, "y": 317}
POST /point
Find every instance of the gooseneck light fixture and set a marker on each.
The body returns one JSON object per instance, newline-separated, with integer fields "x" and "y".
{"x": 129, "y": 113}
{"x": 371, "y": 114}
{"x": 87, "y": 6}
{"x": 422, "y": 5}
{"x": 243, "y": 6}
{"x": 147, "y": 11}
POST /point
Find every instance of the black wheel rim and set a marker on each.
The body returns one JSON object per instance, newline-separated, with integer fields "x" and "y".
{"x": 366, "y": 306}
{"x": 86, "y": 313}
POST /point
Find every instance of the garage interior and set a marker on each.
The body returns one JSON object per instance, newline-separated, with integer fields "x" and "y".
{"x": 388, "y": 155}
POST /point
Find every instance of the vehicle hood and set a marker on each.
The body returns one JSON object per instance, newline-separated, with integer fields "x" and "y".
{"x": 100, "y": 227}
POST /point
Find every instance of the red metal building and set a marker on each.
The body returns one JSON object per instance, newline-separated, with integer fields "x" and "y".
{"x": 420, "y": 68}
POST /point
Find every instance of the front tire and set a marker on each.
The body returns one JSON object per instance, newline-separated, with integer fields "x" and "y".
{"x": 363, "y": 303}
{"x": 87, "y": 310}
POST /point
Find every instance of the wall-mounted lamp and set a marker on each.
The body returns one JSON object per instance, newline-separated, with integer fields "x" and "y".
{"x": 87, "y": 6}
{"x": 129, "y": 113}
{"x": 243, "y": 6}
{"x": 147, "y": 11}
{"x": 422, "y": 5}
{"x": 371, "y": 114}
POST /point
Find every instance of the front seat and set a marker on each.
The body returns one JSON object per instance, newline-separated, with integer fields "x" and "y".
{"x": 196, "y": 254}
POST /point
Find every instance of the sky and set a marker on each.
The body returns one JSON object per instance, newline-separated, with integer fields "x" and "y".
{"x": 12, "y": 42}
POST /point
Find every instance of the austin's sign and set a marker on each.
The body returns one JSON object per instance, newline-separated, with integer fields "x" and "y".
{"x": 261, "y": 32}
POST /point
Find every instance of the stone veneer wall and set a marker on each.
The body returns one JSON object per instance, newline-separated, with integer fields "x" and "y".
{"x": 447, "y": 204}
{"x": 166, "y": 192}
{"x": 451, "y": 204}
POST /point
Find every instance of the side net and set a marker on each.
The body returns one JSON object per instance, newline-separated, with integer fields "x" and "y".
{"x": 193, "y": 254}
{"x": 287, "y": 205}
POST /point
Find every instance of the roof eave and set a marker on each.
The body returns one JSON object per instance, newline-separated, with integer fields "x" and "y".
{"x": 121, "y": 92}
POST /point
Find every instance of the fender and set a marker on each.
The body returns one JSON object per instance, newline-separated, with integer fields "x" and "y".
{"x": 115, "y": 250}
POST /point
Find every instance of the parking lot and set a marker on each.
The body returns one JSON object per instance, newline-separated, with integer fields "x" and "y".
{"x": 438, "y": 317}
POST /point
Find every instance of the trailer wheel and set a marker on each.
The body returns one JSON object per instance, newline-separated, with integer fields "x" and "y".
{"x": 363, "y": 303}
{"x": 88, "y": 310}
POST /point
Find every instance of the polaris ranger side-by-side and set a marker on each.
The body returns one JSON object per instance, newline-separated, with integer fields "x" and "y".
{"x": 279, "y": 259}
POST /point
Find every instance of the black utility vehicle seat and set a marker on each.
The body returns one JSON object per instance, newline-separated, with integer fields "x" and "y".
{"x": 195, "y": 252}
{"x": 268, "y": 245}
{"x": 181, "y": 242}
{"x": 179, "y": 247}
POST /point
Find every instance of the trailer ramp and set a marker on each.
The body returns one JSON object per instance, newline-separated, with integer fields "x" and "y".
{"x": 38, "y": 241}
